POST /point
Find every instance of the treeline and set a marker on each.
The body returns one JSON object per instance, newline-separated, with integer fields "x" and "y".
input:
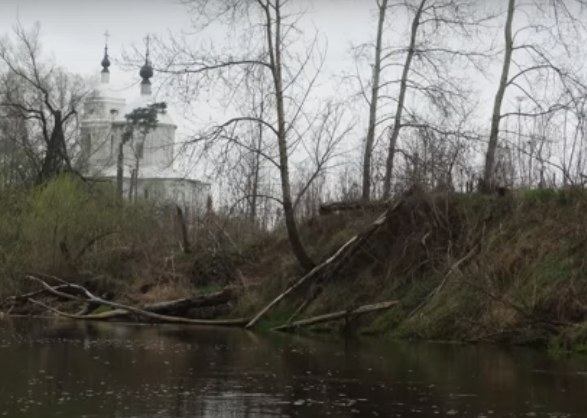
{"x": 287, "y": 135}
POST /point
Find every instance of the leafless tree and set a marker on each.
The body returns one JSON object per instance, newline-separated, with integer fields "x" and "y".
{"x": 374, "y": 100}
{"x": 422, "y": 80}
{"x": 530, "y": 51}
{"x": 428, "y": 59}
{"x": 43, "y": 96}
{"x": 266, "y": 33}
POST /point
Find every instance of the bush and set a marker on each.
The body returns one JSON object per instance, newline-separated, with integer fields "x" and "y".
{"x": 58, "y": 228}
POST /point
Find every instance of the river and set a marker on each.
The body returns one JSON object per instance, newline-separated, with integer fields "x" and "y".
{"x": 54, "y": 368}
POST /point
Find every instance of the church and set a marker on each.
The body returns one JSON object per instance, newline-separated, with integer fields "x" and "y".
{"x": 147, "y": 160}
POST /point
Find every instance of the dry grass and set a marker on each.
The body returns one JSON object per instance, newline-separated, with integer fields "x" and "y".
{"x": 519, "y": 285}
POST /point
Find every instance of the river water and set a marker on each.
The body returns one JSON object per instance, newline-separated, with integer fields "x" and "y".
{"x": 75, "y": 369}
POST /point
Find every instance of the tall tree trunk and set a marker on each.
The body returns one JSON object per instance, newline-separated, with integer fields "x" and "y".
{"x": 136, "y": 180}
{"x": 373, "y": 104}
{"x": 131, "y": 184}
{"x": 487, "y": 183}
{"x": 275, "y": 45}
{"x": 397, "y": 121}
{"x": 183, "y": 232}
{"x": 120, "y": 172}
{"x": 256, "y": 169}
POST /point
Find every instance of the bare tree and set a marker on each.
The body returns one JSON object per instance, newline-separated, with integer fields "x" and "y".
{"x": 397, "y": 119}
{"x": 419, "y": 81}
{"x": 45, "y": 96}
{"x": 374, "y": 102}
{"x": 268, "y": 31}
{"x": 534, "y": 61}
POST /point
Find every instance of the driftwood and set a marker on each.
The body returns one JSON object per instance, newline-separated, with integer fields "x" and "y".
{"x": 175, "y": 307}
{"x": 312, "y": 295}
{"x": 90, "y": 297}
{"x": 337, "y": 315}
{"x": 343, "y": 253}
{"x": 27, "y": 296}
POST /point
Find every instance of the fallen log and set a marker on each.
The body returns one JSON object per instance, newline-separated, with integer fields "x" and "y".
{"x": 343, "y": 253}
{"x": 26, "y": 296}
{"x": 337, "y": 315}
{"x": 175, "y": 307}
{"x": 141, "y": 312}
{"x": 355, "y": 205}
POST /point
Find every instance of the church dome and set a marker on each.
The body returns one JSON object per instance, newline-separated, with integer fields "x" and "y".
{"x": 105, "y": 61}
{"x": 104, "y": 100}
{"x": 146, "y": 71}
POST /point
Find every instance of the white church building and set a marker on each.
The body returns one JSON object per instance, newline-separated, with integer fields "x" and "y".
{"x": 148, "y": 163}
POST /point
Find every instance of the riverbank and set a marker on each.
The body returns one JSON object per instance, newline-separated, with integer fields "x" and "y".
{"x": 468, "y": 268}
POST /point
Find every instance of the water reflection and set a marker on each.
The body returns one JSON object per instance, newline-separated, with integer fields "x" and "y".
{"x": 76, "y": 369}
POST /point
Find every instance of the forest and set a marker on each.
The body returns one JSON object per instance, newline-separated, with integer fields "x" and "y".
{"x": 436, "y": 191}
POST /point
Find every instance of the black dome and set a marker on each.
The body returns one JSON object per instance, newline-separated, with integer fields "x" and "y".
{"x": 146, "y": 71}
{"x": 105, "y": 61}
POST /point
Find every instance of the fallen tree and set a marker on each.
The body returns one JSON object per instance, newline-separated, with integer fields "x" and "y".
{"x": 351, "y": 206}
{"x": 160, "y": 312}
{"x": 333, "y": 263}
{"x": 174, "y": 307}
{"x": 89, "y": 297}
{"x": 26, "y": 296}
{"x": 337, "y": 315}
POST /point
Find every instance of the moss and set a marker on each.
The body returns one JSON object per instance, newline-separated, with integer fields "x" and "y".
{"x": 101, "y": 309}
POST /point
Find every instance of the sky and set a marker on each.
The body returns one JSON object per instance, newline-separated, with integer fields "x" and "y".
{"x": 73, "y": 30}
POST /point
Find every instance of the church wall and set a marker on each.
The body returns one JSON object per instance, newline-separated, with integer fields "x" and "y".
{"x": 190, "y": 195}
{"x": 101, "y": 133}
{"x": 158, "y": 147}
{"x": 101, "y": 147}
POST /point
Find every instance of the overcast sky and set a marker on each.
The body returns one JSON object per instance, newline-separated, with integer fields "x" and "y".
{"x": 73, "y": 30}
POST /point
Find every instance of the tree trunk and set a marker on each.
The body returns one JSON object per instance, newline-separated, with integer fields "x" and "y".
{"x": 174, "y": 307}
{"x": 183, "y": 231}
{"x": 370, "y": 140}
{"x": 132, "y": 184}
{"x": 288, "y": 209}
{"x": 397, "y": 122}
{"x": 136, "y": 180}
{"x": 487, "y": 183}
{"x": 90, "y": 297}
{"x": 256, "y": 169}
{"x": 56, "y": 154}
{"x": 333, "y": 263}
{"x": 337, "y": 315}
{"x": 120, "y": 172}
